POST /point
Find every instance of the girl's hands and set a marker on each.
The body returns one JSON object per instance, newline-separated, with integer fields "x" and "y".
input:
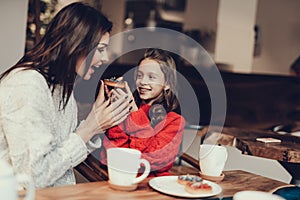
{"x": 119, "y": 93}
{"x": 104, "y": 114}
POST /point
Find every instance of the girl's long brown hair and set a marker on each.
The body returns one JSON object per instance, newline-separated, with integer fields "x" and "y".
{"x": 73, "y": 33}
{"x": 168, "y": 101}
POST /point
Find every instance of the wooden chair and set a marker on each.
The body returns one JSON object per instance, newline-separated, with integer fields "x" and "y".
{"x": 190, "y": 160}
{"x": 92, "y": 169}
{"x": 181, "y": 169}
{"x": 194, "y": 138}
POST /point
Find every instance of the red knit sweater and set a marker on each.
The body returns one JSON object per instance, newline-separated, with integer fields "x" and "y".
{"x": 159, "y": 145}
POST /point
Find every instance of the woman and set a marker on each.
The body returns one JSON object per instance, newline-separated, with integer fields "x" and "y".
{"x": 38, "y": 114}
{"x": 153, "y": 127}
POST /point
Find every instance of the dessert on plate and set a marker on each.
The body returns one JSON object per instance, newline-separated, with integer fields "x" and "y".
{"x": 198, "y": 188}
{"x": 184, "y": 179}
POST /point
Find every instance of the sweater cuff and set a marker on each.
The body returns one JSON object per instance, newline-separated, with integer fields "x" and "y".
{"x": 94, "y": 143}
{"x": 76, "y": 149}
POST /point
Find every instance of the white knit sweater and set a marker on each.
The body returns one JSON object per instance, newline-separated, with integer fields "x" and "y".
{"x": 36, "y": 137}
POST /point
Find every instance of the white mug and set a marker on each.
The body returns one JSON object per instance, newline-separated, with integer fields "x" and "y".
{"x": 123, "y": 165}
{"x": 257, "y": 195}
{"x": 9, "y": 183}
{"x": 212, "y": 159}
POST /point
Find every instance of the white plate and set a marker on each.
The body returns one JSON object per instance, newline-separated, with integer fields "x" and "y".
{"x": 169, "y": 185}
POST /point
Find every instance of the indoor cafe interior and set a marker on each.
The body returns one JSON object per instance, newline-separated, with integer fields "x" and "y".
{"x": 254, "y": 47}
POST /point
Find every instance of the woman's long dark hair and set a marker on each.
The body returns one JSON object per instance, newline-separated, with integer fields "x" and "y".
{"x": 168, "y": 101}
{"x": 72, "y": 34}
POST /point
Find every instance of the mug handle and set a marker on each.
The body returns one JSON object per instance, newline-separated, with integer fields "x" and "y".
{"x": 25, "y": 180}
{"x": 146, "y": 172}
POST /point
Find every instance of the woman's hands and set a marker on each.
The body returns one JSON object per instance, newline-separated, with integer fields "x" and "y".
{"x": 106, "y": 113}
{"x": 118, "y": 93}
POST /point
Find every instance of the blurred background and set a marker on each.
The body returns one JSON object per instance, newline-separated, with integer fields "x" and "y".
{"x": 251, "y": 36}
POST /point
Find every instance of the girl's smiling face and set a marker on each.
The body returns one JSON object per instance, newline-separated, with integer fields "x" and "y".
{"x": 98, "y": 59}
{"x": 150, "y": 81}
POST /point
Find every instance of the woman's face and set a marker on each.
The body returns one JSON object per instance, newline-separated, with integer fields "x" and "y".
{"x": 98, "y": 59}
{"x": 150, "y": 81}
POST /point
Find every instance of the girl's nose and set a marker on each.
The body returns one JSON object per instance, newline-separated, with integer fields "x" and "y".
{"x": 144, "y": 81}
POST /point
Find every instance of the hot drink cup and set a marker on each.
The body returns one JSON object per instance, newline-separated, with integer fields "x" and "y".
{"x": 10, "y": 183}
{"x": 212, "y": 159}
{"x": 123, "y": 167}
{"x": 257, "y": 195}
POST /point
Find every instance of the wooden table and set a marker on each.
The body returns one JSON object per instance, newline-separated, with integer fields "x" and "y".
{"x": 233, "y": 182}
{"x": 245, "y": 140}
{"x": 287, "y": 152}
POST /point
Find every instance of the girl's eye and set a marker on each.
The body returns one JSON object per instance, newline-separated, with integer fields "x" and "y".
{"x": 139, "y": 76}
{"x": 152, "y": 77}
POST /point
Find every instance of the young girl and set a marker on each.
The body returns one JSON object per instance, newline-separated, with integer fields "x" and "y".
{"x": 152, "y": 127}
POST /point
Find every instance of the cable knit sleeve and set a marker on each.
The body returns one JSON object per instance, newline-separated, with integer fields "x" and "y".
{"x": 160, "y": 144}
{"x": 94, "y": 143}
{"x": 116, "y": 137}
{"x": 35, "y": 138}
{"x": 139, "y": 123}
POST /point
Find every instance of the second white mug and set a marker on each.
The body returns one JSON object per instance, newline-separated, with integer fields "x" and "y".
{"x": 212, "y": 159}
{"x": 257, "y": 195}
